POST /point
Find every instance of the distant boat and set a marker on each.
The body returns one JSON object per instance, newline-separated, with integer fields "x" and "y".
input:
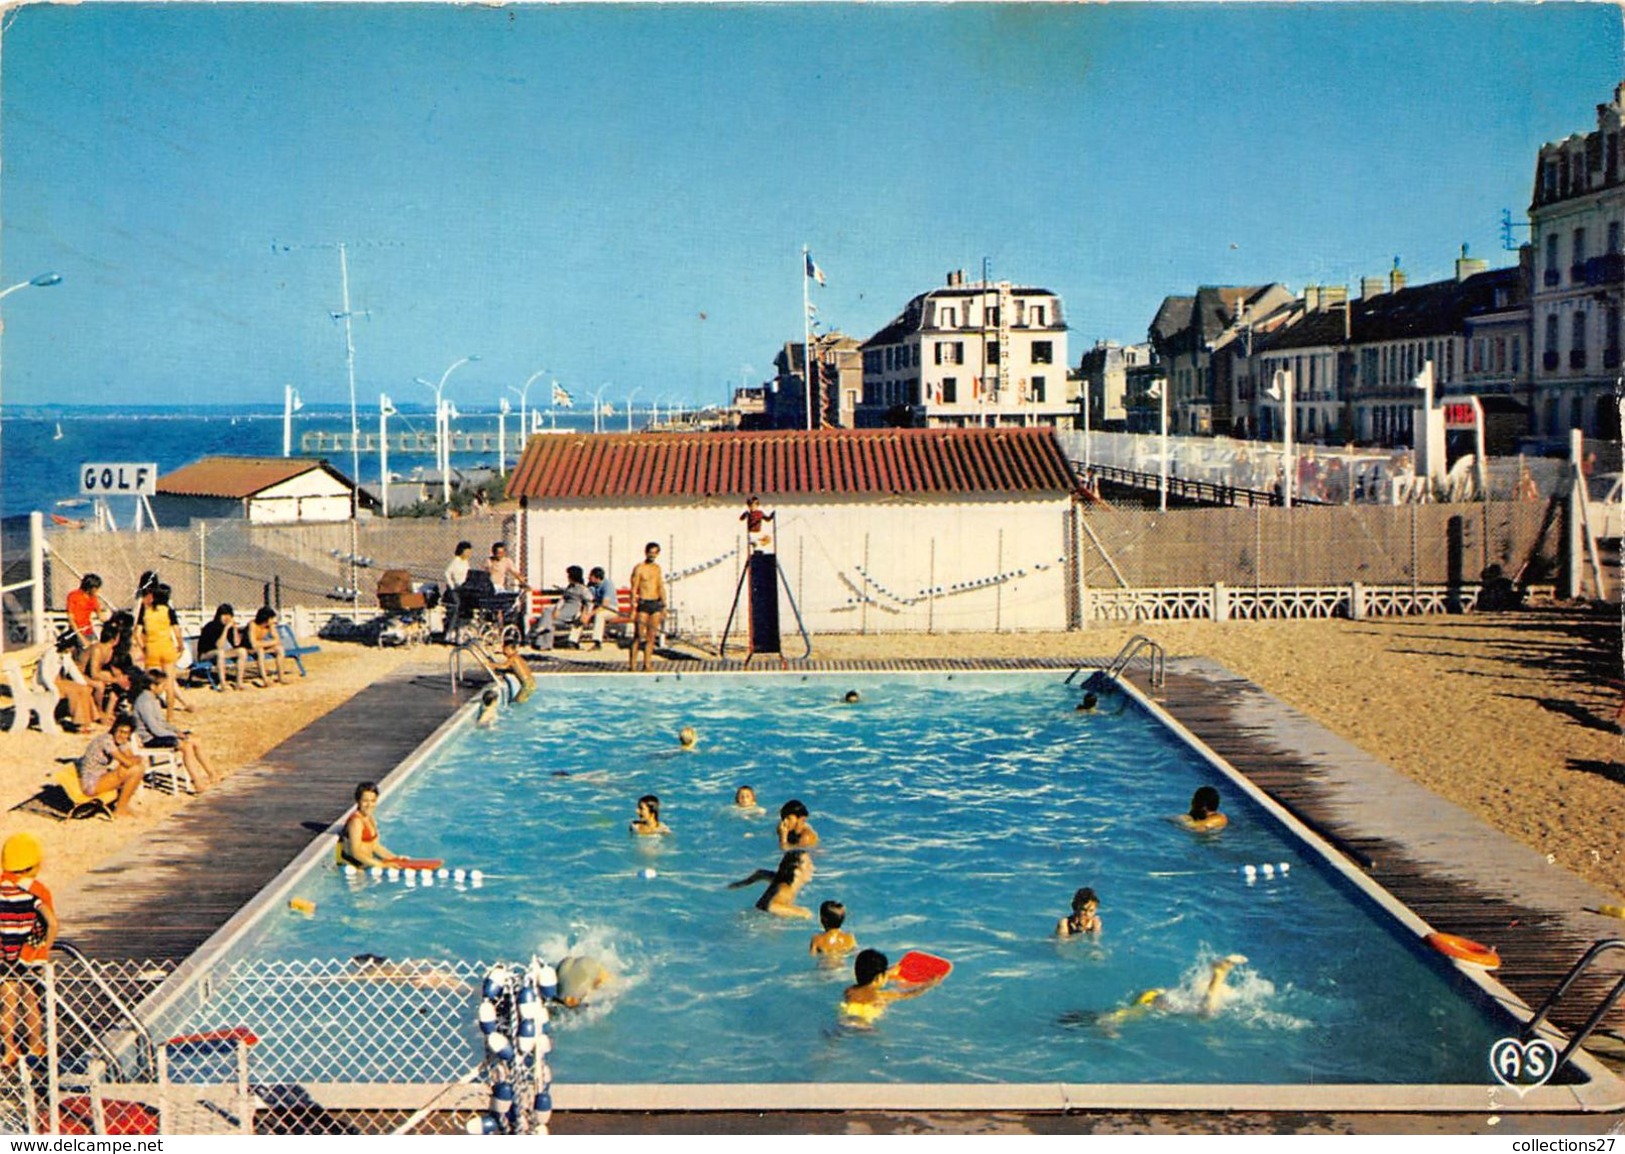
{"x": 66, "y": 522}
{"x": 73, "y": 503}
{"x": 58, "y": 435}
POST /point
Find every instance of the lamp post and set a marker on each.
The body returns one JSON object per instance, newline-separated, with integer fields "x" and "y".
{"x": 442, "y": 430}
{"x": 598, "y": 409}
{"x": 291, "y": 404}
{"x": 37, "y": 622}
{"x": 386, "y": 410}
{"x": 522, "y": 392}
{"x": 503, "y": 409}
{"x": 1159, "y": 389}
{"x": 1281, "y": 390}
{"x": 629, "y": 401}
{"x": 1088, "y": 461}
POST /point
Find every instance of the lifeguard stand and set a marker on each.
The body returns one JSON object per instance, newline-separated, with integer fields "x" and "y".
{"x": 764, "y": 577}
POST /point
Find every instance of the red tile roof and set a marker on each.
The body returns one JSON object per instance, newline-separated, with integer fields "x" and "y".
{"x": 238, "y": 477}
{"x": 944, "y": 462}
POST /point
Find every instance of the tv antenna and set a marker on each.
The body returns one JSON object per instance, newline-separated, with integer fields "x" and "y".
{"x": 1508, "y": 225}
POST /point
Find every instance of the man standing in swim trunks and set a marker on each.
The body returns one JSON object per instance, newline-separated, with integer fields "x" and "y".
{"x": 648, "y": 606}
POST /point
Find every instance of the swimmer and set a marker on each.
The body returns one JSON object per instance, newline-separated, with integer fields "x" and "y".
{"x": 795, "y": 870}
{"x": 1087, "y": 705}
{"x": 648, "y": 822}
{"x": 794, "y": 832}
{"x": 579, "y": 976}
{"x": 361, "y": 845}
{"x": 1204, "y": 815}
{"x": 687, "y": 737}
{"x": 851, "y": 697}
{"x": 489, "y": 700}
{"x": 511, "y": 663}
{"x": 866, "y": 1000}
{"x": 834, "y": 940}
{"x": 1213, "y": 997}
{"x": 1083, "y": 919}
{"x": 745, "y": 798}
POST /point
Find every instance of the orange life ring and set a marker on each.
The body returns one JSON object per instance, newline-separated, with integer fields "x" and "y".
{"x": 1464, "y": 950}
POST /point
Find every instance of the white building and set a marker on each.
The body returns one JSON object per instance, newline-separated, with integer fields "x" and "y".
{"x": 882, "y": 530}
{"x": 983, "y": 354}
{"x": 1575, "y": 222}
{"x": 260, "y": 490}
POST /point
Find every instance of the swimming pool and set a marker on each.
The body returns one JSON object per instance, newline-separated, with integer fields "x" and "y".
{"x": 958, "y": 814}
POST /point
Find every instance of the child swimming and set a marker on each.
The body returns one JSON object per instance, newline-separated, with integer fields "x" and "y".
{"x": 834, "y": 940}
{"x": 687, "y": 737}
{"x": 489, "y": 701}
{"x": 794, "y": 832}
{"x": 648, "y": 822}
{"x": 1083, "y": 919}
{"x": 795, "y": 870}
{"x": 1204, "y": 815}
{"x": 866, "y": 1000}
{"x": 1213, "y": 997}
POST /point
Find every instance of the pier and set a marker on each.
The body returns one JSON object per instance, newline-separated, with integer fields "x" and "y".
{"x": 317, "y": 442}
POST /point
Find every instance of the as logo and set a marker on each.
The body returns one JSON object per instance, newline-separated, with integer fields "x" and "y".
{"x": 1523, "y": 1065}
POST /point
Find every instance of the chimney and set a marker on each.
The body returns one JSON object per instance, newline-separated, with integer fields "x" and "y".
{"x": 1371, "y": 286}
{"x": 1311, "y": 298}
{"x": 1396, "y": 277}
{"x": 1469, "y": 266}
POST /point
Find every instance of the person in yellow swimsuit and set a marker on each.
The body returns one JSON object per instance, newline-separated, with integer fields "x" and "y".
{"x": 867, "y": 999}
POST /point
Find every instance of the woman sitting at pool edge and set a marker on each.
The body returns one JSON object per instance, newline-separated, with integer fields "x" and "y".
{"x": 795, "y": 870}
{"x": 1204, "y": 815}
{"x": 361, "y": 846}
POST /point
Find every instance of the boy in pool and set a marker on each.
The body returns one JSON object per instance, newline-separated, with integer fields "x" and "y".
{"x": 648, "y": 821}
{"x": 1204, "y": 815}
{"x": 489, "y": 700}
{"x": 867, "y": 999}
{"x": 1214, "y": 997}
{"x": 794, "y": 832}
{"x": 687, "y": 737}
{"x": 510, "y": 662}
{"x": 1083, "y": 919}
{"x": 834, "y": 940}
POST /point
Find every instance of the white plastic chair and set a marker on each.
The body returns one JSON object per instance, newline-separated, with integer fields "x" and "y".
{"x": 30, "y": 698}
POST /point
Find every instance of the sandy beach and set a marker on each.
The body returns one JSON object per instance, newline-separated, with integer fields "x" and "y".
{"x": 1510, "y": 716}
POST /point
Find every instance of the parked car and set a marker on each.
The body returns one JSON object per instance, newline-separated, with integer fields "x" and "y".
{"x": 1606, "y": 492}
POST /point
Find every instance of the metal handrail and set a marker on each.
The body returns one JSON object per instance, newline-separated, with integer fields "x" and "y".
{"x": 1131, "y": 648}
{"x": 479, "y": 653}
{"x": 137, "y": 1026}
{"x": 1597, "y": 950}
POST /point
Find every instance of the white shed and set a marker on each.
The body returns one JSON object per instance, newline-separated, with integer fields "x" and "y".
{"x": 261, "y": 490}
{"x": 876, "y": 530}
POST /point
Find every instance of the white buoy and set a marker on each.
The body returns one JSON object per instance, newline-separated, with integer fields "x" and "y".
{"x": 647, "y": 873}
{"x": 410, "y": 877}
{"x": 476, "y": 878}
{"x": 349, "y": 870}
{"x": 1250, "y": 871}
{"x": 394, "y": 874}
{"x": 1268, "y": 870}
{"x": 376, "y": 872}
{"x": 457, "y": 875}
{"x": 442, "y": 873}
{"x": 427, "y": 877}
{"x": 1286, "y": 867}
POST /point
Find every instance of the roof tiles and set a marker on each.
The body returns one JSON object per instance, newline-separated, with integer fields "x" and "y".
{"x": 238, "y": 477}
{"x": 861, "y": 462}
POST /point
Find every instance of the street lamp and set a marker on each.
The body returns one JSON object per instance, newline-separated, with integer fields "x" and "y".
{"x": 44, "y": 280}
{"x": 1281, "y": 390}
{"x": 597, "y": 409}
{"x": 291, "y": 404}
{"x": 522, "y": 392}
{"x": 37, "y": 623}
{"x": 629, "y": 401}
{"x": 386, "y": 410}
{"x": 503, "y": 409}
{"x": 442, "y": 433}
{"x": 1159, "y": 389}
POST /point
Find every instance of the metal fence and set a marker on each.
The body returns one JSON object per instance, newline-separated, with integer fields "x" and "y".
{"x": 355, "y": 1046}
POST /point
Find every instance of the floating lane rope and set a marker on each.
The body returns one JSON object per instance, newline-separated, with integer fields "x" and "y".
{"x": 1268, "y": 870}
{"x": 512, "y": 1015}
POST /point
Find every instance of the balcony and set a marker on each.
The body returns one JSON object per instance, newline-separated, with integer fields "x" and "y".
{"x": 1602, "y": 270}
{"x": 1577, "y": 358}
{"x": 1549, "y": 360}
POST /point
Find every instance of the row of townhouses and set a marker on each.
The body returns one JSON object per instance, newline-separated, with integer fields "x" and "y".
{"x": 1539, "y": 340}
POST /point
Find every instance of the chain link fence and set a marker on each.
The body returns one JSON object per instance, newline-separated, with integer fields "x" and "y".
{"x": 321, "y": 1046}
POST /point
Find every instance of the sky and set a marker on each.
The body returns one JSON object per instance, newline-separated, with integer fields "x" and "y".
{"x": 620, "y": 194}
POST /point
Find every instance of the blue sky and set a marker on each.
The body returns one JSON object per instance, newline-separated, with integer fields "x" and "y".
{"x": 571, "y": 187}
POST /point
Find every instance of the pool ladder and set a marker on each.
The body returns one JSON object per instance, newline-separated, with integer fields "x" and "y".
{"x": 482, "y": 658}
{"x": 1591, "y": 1023}
{"x": 1156, "y": 657}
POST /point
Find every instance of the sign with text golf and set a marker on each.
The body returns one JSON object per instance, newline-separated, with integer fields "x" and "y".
{"x": 126, "y": 480}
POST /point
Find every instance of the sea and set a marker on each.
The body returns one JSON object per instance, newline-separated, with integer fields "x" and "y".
{"x": 43, "y": 450}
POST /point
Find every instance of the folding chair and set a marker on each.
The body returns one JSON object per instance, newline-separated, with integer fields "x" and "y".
{"x": 79, "y": 803}
{"x": 166, "y": 769}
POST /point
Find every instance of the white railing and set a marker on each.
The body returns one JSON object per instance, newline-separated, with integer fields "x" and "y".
{"x": 1264, "y": 603}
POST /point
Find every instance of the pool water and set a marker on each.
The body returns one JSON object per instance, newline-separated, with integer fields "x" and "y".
{"x": 958, "y": 813}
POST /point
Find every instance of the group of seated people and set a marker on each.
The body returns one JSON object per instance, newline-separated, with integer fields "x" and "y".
{"x": 585, "y": 600}
{"x": 122, "y": 669}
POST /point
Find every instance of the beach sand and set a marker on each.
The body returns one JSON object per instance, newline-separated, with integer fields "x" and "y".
{"x": 1510, "y": 716}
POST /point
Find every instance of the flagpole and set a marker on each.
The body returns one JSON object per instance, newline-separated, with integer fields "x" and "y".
{"x": 806, "y": 333}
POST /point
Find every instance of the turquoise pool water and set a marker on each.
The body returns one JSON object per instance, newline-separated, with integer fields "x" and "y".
{"x": 958, "y": 814}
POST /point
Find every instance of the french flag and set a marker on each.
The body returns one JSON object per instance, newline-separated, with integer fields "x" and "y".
{"x": 814, "y": 271}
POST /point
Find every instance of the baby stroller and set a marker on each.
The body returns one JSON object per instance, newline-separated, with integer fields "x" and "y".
{"x": 404, "y": 606}
{"x": 478, "y": 611}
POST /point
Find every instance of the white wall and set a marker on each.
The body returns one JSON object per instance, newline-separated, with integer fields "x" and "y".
{"x": 313, "y": 496}
{"x": 825, "y": 549}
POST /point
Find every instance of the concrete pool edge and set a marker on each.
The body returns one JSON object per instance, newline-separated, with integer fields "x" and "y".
{"x": 1601, "y": 1092}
